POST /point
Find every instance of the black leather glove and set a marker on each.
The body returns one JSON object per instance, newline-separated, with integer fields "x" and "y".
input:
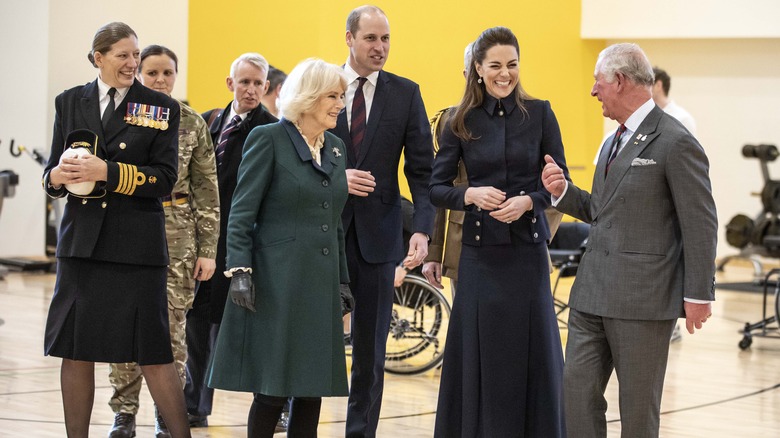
{"x": 242, "y": 291}
{"x": 347, "y": 300}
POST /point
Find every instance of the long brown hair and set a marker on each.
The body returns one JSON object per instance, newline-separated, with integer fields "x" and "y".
{"x": 474, "y": 94}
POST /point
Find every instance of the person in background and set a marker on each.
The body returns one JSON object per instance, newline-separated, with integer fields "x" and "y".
{"x": 281, "y": 333}
{"x": 384, "y": 118}
{"x": 270, "y": 99}
{"x": 661, "y": 86}
{"x": 503, "y": 365}
{"x": 110, "y": 301}
{"x": 229, "y": 128}
{"x": 650, "y": 255}
{"x": 191, "y": 228}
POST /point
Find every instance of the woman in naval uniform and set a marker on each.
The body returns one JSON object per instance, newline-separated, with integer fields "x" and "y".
{"x": 109, "y": 302}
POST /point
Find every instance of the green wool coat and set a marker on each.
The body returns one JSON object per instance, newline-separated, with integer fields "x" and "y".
{"x": 285, "y": 223}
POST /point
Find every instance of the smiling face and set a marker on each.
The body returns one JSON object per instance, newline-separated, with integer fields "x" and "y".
{"x": 499, "y": 70}
{"x": 369, "y": 47}
{"x": 158, "y": 72}
{"x": 248, "y": 85}
{"x": 325, "y": 111}
{"x": 119, "y": 64}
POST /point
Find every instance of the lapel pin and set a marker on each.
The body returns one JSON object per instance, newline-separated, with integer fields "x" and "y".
{"x": 644, "y": 137}
{"x": 336, "y": 152}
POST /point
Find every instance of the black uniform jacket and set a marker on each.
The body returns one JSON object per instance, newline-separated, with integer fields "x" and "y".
{"x": 124, "y": 224}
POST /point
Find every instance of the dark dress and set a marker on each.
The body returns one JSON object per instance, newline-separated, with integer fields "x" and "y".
{"x": 285, "y": 223}
{"x": 109, "y": 302}
{"x": 503, "y": 365}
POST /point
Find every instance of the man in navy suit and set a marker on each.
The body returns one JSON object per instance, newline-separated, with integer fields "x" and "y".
{"x": 391, "y": 119}
{"x": 248, "y": 83}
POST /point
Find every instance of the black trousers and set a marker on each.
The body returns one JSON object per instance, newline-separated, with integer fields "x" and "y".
{"x": 265, "y": 411}
{"x": 372, "y": 287}
{"x": 201, "y": 336}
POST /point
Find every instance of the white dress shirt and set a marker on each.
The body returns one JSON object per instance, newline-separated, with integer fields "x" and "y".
{"x": 369, "y": 88}
{"x": 103, "y": 97}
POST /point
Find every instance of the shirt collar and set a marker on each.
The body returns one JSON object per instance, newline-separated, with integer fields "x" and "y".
{"x": 352, "y": 75}
{"x": 508, "y": 103}
{"x": 104, "y": 87}
{"x": 636, "y": 119}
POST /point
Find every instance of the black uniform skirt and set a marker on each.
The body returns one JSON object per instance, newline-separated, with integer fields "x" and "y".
{"x": 503, "y": 365}
{"x": 109, "y": 312}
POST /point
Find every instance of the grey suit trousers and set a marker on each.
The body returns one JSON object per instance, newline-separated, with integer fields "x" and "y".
{"x": 637, "y": 351}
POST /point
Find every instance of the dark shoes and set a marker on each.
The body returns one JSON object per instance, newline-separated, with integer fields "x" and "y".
{"x": 124, "y": 426}
{"x": 160, "y": 429}
{"x": 284, "y": 421}
{"x": 198, "y": 420}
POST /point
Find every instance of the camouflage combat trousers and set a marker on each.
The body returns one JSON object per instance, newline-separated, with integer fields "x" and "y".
{"x": 126, "y": 378}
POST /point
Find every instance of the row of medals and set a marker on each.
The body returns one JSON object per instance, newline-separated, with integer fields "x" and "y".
{"x": 150, "y": 116}
{"x": 147, "y": 121}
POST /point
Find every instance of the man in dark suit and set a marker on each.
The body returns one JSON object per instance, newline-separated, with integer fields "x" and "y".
{"x": 229, "y": 129}
{"x": 384, "y": 116}
{"x": 650, "y": 257}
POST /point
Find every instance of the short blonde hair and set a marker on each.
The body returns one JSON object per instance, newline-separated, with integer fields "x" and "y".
{"x": 306, "y": 83}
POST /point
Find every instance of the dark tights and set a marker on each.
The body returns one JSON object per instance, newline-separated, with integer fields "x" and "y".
{"x": 265, "y": 411}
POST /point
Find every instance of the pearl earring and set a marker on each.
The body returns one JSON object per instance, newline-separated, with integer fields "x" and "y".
{"x": 479, "y": 81}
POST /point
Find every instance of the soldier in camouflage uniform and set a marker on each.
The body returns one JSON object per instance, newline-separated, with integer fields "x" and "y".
{"x": 192, "y": 229}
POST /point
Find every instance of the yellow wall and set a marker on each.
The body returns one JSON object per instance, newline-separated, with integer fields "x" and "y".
{"x": 427, "y": 42}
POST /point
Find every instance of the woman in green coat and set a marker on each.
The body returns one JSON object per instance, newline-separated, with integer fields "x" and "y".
{"x": 281, "y": 334}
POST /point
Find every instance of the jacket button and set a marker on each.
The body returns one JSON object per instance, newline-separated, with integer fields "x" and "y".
{"x": 324, "y": 183}
{"x": 478, "y": 223}
{"x": 536, "y": 235}
{"x": 325, "y": 204}
{"x": 533, "y": 221}
{"x": 83, "y": 201}
{"x": 606, "y": 252}
{"x": 522, "y": 192}
{"x": 325, "y": 251}
{"x": 122, "y": 145}
{"x": 476, "y": 238}
{"x": 609, "y": 225}
{"x": 324, "y": 227}
{"x": 104, "y": 204}
{"x": 590, "y": 248}
{"x": 594, "y": 223}
{"x": 479, "y": 209}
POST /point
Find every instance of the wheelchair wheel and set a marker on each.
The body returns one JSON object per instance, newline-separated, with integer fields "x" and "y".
{"x": 418, "y": 327}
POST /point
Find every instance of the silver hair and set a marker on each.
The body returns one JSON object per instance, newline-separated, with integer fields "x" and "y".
{"x": 255, "y": 59}
{"x": 306, "y": 83}
{"x": 628, "y": 59}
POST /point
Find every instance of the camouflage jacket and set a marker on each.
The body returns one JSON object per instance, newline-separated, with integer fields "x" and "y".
{"x": 196, "y": 221}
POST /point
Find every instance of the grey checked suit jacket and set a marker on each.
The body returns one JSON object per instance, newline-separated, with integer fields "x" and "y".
{"x": 653, "y": 226}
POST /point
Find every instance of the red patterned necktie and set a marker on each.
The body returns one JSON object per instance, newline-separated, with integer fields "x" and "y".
{"x": 223, "y": 138}
{"x": 615, "y": 146}
{"x": 358, "y": 129}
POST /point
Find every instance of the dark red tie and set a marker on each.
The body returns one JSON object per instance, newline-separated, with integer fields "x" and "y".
{"x": 223, "y": 138}
{"x": 615, "y": 146}
{"x": 358, "y": 129}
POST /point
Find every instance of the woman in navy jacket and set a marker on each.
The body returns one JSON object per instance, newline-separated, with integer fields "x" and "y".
{"x": 503, "y": 363}
{"x": 109, "y": 302}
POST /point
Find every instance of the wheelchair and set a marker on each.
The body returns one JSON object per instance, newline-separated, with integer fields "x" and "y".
{"x": 418, "y": 327}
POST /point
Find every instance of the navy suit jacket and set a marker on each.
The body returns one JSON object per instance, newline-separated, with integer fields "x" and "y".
{"x": 214, "y": 292}
{"x": 397, "y": 123}
{"x": 126, "y": 224}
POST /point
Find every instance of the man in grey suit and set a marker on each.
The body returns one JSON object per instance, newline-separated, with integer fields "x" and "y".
{"x": 650, "y": 257}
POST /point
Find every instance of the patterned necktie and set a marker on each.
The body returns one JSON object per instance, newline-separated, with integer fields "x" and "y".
{"x": 615, "y": 146}
{"x": 358, "y": 129}
{"x": 223, "y": 138}
{"x": 110, "y": 108}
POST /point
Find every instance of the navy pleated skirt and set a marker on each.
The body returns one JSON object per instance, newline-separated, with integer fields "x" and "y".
{"x": 503, "y": 363}
{"x": 109, "y": 312}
